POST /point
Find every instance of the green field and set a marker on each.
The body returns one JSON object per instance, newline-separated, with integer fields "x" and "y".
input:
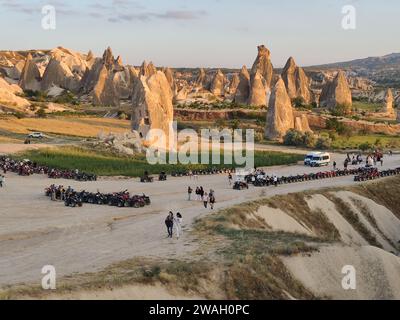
{"x": 375, "y": 140}
{"x": 110, "y": 165}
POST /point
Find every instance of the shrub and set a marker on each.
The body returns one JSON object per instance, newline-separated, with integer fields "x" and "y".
{"x": 41, "y": 113}
{"x": 365, "y": 146}
{"x": 323, "y": 142}
{"x": 293, "y": 138}
{"x": 19, "y": 115}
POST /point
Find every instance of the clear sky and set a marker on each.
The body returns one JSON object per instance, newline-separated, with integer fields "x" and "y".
{"x": 208, "y": 33}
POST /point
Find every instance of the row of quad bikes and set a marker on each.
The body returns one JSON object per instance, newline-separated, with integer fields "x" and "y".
{"x": 360, "y": 174}
{"x": 119, "y": 199}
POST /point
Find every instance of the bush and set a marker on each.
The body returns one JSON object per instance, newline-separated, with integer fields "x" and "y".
{"x": 323, "y": 142}
{"x": 19, "y": 115}
{"x": 66, "y": 98}
{"x": 293, "y": 138}
{"x": 41, "y": 113}
{"x": 365, "y": 146}
{"x": 340, "y": 110}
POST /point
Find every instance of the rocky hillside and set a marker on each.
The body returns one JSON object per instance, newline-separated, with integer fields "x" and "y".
{"x": 385, "y": 70}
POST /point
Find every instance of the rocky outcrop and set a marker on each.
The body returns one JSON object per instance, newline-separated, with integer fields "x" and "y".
{"x": 107, "y": 81}
{"x": 388, "y": 107}
{"x": 258, "y": 91}
{"x": 201, "y": 80}
{"x": 233, "y": 84}
{"x": 152, "y": 104}
{"x": 171, "y": 79}
{"x": 280, "y": 113}
{"x": 301, "y": 123}
{"x": 243, "y": 89}
{"x": 263, "y": 65}
{"x": 337, "y": 93}
{"x": 30, "y": 76}
{"x": 182, "y": 94}
{"x": 296, "y": 81}
{"x": 217, "y": 87}
{"x": 105, "y": 92}
{"x": 59, "y": 74}
{"x": 147, "y": 69}
{"x": 9, "y": 98}
{"x": 15, "y": 71}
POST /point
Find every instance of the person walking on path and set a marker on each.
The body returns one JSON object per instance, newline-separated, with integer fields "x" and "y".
{"x": 202, "y": 193}
{"x": 230, "y": 178}
{"x": 2, "y": 178}
{"x": 190, "y": 190}
{"x": 205, "y": 199}
{"x": 169, "y": 222}
{"x": 334, "y": 165}
{"x": 211, "y": 200}
{"x": 178, "y": 225}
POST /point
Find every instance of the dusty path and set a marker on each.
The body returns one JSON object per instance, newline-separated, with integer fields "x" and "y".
{"x": 35, "y": 231}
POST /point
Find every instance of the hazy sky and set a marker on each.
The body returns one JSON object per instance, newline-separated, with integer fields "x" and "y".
{"x": 207, "y": 33}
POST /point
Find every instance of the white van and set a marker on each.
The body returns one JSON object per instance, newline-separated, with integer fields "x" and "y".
{"x": 320, "y": 159}
{"x": 309, "y": 157}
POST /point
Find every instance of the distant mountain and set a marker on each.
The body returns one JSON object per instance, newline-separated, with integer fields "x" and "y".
{"x": 385, "y": 70}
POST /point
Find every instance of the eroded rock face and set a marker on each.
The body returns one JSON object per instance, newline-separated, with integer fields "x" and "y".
{"x": 201, "y": 80}
{"x": 337, "y": 92}
{"x": 147, "y": 69}
{"x": 182, "y": 94}
{"x": 171, "y": 79}
{"x": 296, "y": 81}
{"x": 152, "y": 104}
{"x": 280, "y": 113}
{"x": 107, "y": 80}
{"x": 301, "y": 123}
{"x": 59, "y": 74}
{"x": 30, "y": 76}
{"x": 8, "y": 96}
{"x": 104, "y": 92}
{"x": 217, "y": 87}
{"x": 263, "y": 65}
{"x": 234, "y": 83}
{"x": 258, "y": 91}
{"x": 243, "y": 89}
{"x": 388, "y": 107}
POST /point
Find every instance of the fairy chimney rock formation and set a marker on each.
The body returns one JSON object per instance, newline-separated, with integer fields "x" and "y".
{"x": 201, "y": 79}
{"x": 301, "y": 123}
{"x": 152, "y": 104}
{"x": 263, "y": 65}
{"x": 280, "y": 116}
{"x": 296, "y": 81}
{"x": 258, "y": 91}
{"x": 30, "y": 76}
{"x": 337, "y": 93}
{"x": 388, "y": 107}
{"x": 243, "y": 89}
{"x": 218, "y": 84}
{"x": 147, "y": 69}
{"x": 233, "y": 84}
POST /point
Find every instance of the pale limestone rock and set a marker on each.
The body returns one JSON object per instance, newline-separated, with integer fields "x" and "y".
{"x": 152, "y": 104}
{"x": 218, "y": 84}
{"x": 263, "y": 65}
{"x": 258, "y": 91}
{"x": 337, "y": 92}
{"x": 296, "y": 81}
{"x": 243, "y": 89}
{"x": 280, "y": 116}
{"x": 30, "y": 76}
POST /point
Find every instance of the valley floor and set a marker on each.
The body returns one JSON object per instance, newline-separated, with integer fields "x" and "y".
{"x": 35, "y": 231}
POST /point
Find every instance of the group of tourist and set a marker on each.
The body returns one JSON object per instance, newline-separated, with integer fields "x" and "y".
{"x": 208, "y": 199}
{"x": 174, "y": 221}
{"x": 371, "y": 160}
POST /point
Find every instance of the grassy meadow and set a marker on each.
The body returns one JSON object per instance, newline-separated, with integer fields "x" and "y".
{"x": 105, "y": 164}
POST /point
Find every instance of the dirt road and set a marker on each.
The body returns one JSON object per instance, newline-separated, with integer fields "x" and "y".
{"x": 35, "y": 231}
